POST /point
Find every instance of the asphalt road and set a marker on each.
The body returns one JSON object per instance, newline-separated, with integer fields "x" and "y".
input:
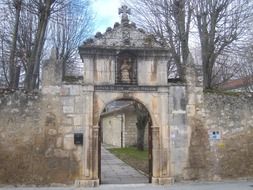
{"x": 229, "y": 185}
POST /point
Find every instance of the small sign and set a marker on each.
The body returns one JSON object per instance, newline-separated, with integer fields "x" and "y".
{"x": 215, "y": 135}
{"x": 78, "y": 138}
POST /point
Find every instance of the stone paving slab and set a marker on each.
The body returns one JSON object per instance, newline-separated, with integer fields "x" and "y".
{"x": 115, "y": 171}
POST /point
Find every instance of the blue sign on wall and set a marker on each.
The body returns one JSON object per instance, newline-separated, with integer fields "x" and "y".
{"x": 215, "y": 135}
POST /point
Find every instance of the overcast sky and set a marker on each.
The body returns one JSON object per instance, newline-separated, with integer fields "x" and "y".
{"x": 106, "y": 13}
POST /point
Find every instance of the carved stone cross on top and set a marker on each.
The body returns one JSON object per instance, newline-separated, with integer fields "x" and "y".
{"x": 124, "y": 10}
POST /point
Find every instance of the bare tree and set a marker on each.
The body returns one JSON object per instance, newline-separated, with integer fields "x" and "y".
{"x": 227, "y": 67}
{"x": 246, "y": 71}
{"x": 14, "y": 69}
{"x": 219, "y": 23}
{"x": 24, "y": 34}
{"x": 43, "y": 9}
{"x": 169, "y": 21}
{"x": 26, "y": 38}
{"x": 4, "y": 66}
{"x": 10, "y": 12}
{"x": 68, "y": 29}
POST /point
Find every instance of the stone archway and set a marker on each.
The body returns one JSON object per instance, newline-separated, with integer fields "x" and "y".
{"x": 148, "y": 141}
{"x": 126, "y": 63}
{"x": 154, "y": 102}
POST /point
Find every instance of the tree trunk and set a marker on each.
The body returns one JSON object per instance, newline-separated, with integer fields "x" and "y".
{"x": 142, "y": 120}
{"x": 17, "y": 75}
{"x": 140, "y": 138}
{"x": 34, "y": 62}
{"x": 12, "y": 69}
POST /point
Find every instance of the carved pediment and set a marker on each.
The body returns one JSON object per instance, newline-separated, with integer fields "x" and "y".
{"x": 128, "y": 36}
{"x": 124, "y": 34}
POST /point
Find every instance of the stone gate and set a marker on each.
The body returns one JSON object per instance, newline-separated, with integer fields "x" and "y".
{"x": 59, "y": 126}
{"x": 127, "y": 63}
{"x": 51, "y": 136}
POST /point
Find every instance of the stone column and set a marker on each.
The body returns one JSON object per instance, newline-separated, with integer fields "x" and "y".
{"x": 161, "y": 169}
{"x": 155, "y": 154}
{"x": 95, "y": 144}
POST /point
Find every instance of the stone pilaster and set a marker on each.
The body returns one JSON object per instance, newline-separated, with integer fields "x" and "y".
{"x": 160, "y": 171}
{"x": 89, "y": 175}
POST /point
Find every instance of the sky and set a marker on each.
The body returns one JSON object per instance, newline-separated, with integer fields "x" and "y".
{"x": 106, "y": 13}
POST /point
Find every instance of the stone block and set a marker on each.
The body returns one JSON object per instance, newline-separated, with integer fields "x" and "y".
{"x": 163, "y": 180}
{"x": 68, "y": 101}
{"x": 87, "y": 183}
{"x": 78, "y": 100}
{"x": 75, "y": 90}
{"x": 68, "y": 142}
{"x": 61, "y": 153}
{"x": 65, "y": 130}
{"x": 68, "y": 109}
{"x": 77, "y": 120}
{"x": 78, "y": 129}
{"x": 88, "y": 88}
{"x": 52, "y": 132}
{"x": 79, "y": 108}
{"x": 49, "y": 152}
{"x": 59, "y": 142}
{"x": 64, "y": 91}
{"x": 67, "y": 120}
{"x": 52, "y": 90}
{"x": 78, "y": 153}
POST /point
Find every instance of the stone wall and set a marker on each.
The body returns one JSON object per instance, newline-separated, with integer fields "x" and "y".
{"x": 36, "y": 144}
{"x": 194, "y": 136}
{"x": 113, "y": 123}
{"x": 111, "y": 127}
{"x": 228, "y": 154}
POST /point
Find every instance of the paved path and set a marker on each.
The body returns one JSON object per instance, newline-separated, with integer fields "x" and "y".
{"x": 115, "y": 171}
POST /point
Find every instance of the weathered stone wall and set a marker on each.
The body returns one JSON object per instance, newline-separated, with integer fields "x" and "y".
{"x": 37, "y": 130}
{"x": 111, "y": 128}
{"x": 37, "y": 145}
{"x": 230, "y": 155}
{"x": 113, "y": 123}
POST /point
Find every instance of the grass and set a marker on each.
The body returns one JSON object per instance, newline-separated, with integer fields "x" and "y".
{"x": 135, "y": 158}
{"x": 222, "y": 92}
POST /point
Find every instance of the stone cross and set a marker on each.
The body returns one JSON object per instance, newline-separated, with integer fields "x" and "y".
{"x": 124, "y": 10}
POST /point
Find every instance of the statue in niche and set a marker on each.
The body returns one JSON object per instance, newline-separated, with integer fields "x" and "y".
{"x": 125, "y": 70}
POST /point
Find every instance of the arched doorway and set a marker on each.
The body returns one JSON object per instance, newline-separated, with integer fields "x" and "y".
{"x": 125, "y": 126}
{"x": 156, "y": 104}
